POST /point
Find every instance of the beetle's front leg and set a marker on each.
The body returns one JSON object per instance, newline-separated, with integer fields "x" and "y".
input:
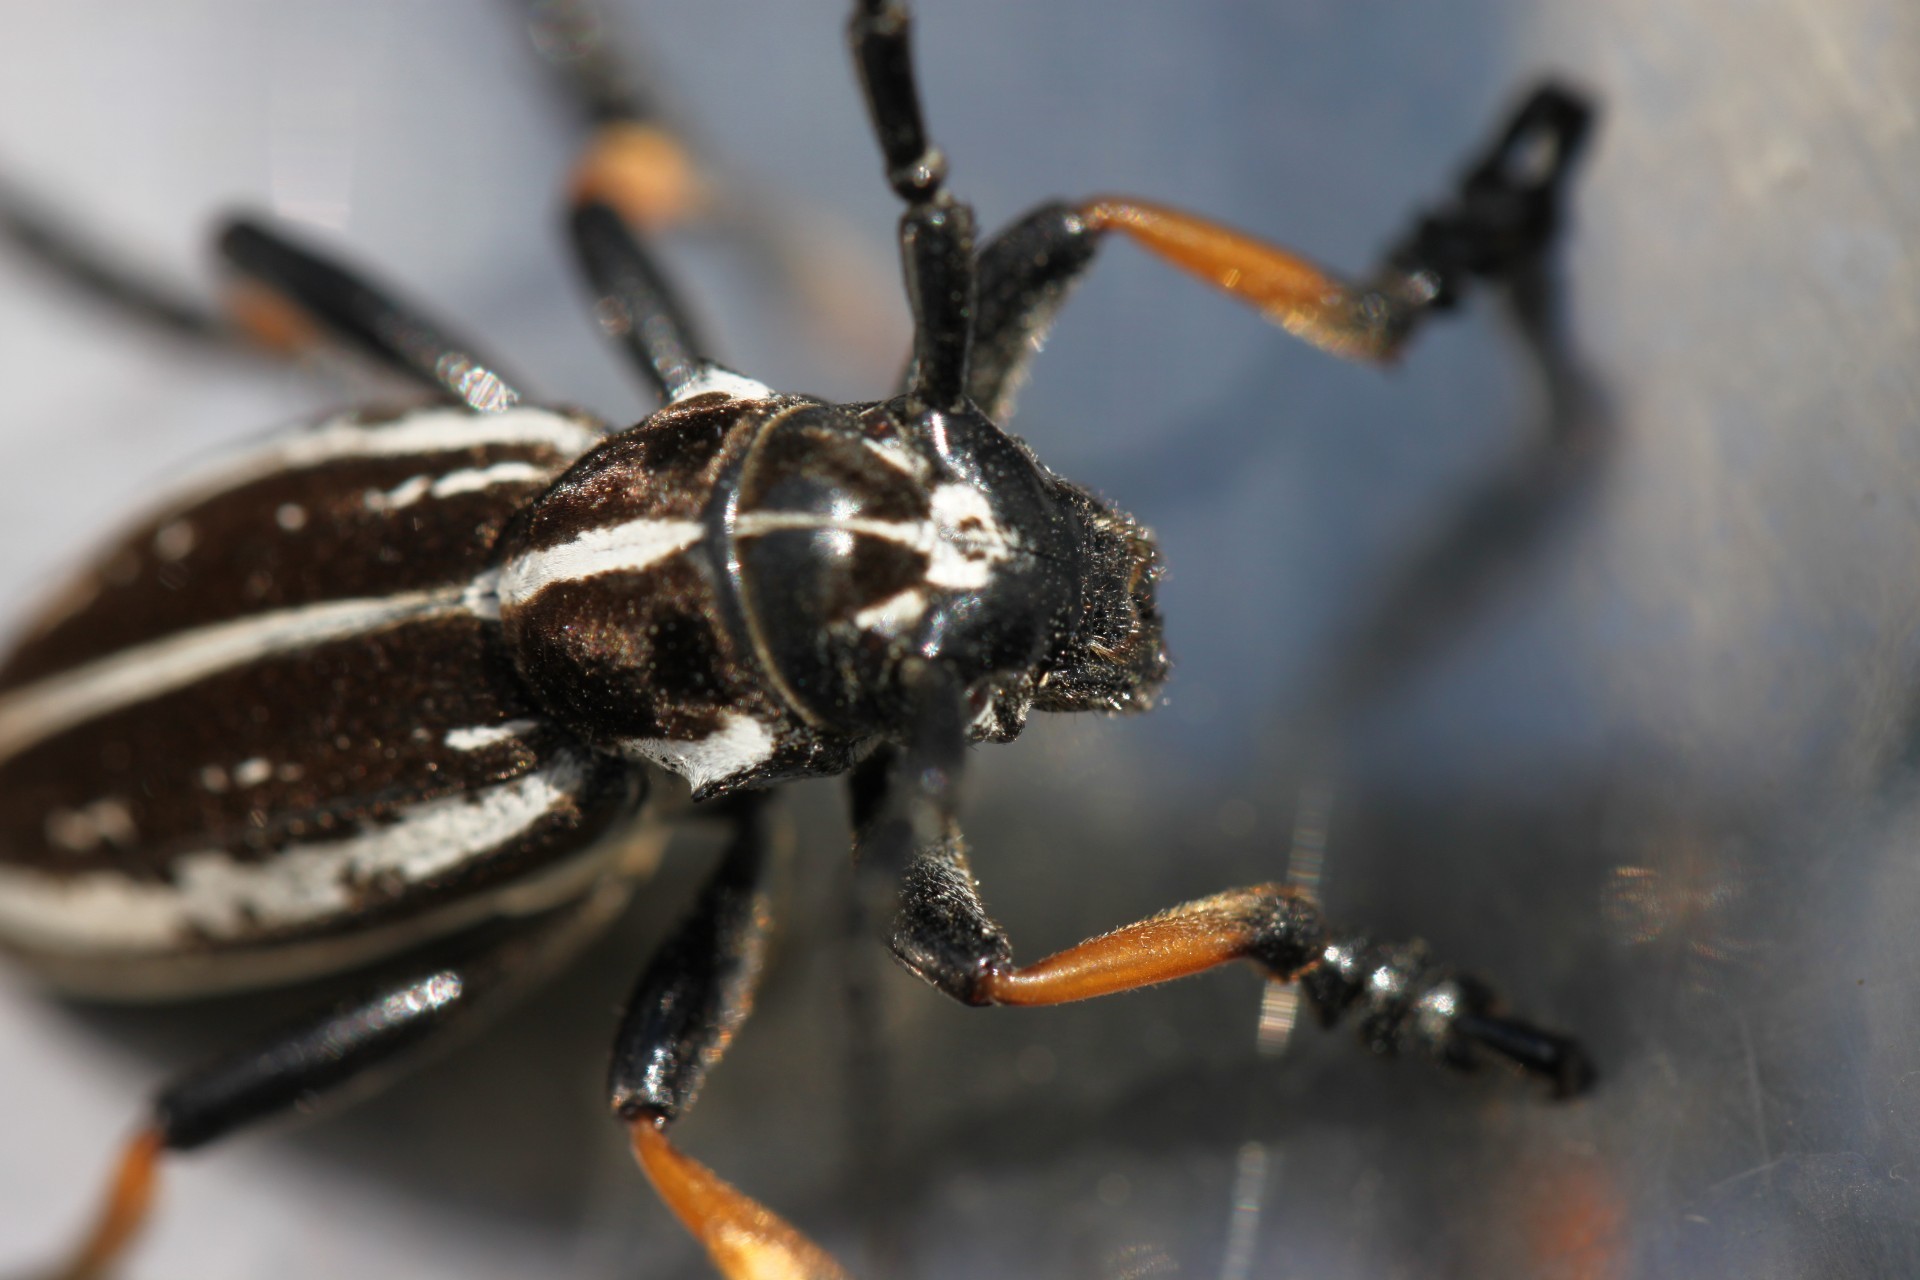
{"x": 1502, "y": 214}
{"x": 909, "y": 845}
{"x": 346, "y": 1048}
{"x": 691, "y": 1000}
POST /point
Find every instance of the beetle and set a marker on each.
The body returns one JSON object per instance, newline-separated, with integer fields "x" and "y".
{"x": 402, "y": 675}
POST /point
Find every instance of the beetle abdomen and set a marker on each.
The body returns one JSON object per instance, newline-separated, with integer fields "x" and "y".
{"x": 280, "y": 708}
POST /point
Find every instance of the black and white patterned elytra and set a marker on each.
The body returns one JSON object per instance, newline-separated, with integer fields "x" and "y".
{"x": 366, "y": 680}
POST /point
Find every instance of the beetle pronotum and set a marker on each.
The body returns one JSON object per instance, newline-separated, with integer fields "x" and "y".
{"x": 256, "y": 741}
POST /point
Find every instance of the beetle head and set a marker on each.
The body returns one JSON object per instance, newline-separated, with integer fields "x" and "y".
{"x": 862, "y": 535}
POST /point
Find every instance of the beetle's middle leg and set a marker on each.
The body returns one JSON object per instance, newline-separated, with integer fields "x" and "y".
{"x": 691, "y": 1000}
{"x": 913, "y": 859}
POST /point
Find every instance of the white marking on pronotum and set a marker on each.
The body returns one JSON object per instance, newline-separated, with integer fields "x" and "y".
{"x": 620, "y": 548}
{"x": 471, "y": 480}
{"x": 896, "y": 613}
{"x": 895, "y": 455}
{"x": 741, "y": 743}
{"x": 734, "y": 386}
{"x": 146, "y": 671}
{"x": 215, "y": 895}
{"x": 479, "y": 736}
{"x": 420, "y": 432}
{"x": 962, "y": 541}
{"x": 969, "y": 541}
{"x": 290, "y": 516}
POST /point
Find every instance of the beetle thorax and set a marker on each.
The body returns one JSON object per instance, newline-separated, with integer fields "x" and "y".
{"x": 727, "y": 589}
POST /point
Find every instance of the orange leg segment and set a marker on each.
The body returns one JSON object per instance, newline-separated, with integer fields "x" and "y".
{"x": 745, "y": 1239}
{"x": 1308, "y": 302}
{"x": 641, "y": 170}
{"x": 1177, "y": 943}
{"x": 269, "y": 319}
{"x": 129, "y": 1198}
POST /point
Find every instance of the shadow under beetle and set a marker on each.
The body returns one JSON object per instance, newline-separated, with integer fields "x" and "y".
{"x": 251, "y": 744}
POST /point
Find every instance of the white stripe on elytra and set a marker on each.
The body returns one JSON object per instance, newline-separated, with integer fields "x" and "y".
{"x": 214, "y": 895}
{"x": 619, "y": 548}
{"x": 480, "y": 736}
{"x": 740, "y": 744}
{"x": 37, "y": 711}
{"x": 471, "y": 480}
{"x": 423, "y": 431}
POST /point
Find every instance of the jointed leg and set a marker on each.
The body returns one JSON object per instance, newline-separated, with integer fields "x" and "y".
{"x": 638, "y": 308}
{"x": 1504, "y": 212}
{"x": 289, "y": 290}
{"x": 692, "y": 999}
{"x": 634, "y": 179}
{"x": 633, "y": 160}
{"x": 909, "y": 845}
{"x": 49, "y": 239}
{"x": 285, "y": 300}
{"x": 344, "y": 1048}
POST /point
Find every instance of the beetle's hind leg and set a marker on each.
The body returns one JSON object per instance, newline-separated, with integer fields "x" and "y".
{"x": 691, "y": 1000}
{"x": 1502, "y": 214}
{"x": 289, "y": 296}
{"x": 283, "y": 301}
{"x": 347, "y": 1048}
{"x": 46, "y": 236}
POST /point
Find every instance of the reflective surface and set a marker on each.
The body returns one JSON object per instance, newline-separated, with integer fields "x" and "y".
{"x": 1620, "y": 717}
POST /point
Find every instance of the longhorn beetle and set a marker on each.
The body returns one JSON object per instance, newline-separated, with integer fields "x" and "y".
{"x": 403, "y": 675}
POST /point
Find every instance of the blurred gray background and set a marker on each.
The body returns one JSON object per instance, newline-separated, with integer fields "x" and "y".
{"x": 1622, "y": 716}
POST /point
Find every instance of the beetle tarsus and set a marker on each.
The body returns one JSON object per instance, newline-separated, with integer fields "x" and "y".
{"x": 1559, "y": 1060}
{"x": 1507, "y": 208}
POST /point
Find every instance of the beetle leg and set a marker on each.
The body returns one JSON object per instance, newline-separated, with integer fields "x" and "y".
{"x": 634, "y": 180}
{"x": 638, "y": 158}
{"x": 46, "y": 235}
{"x": 1503, "y": 213}
{"x": 348, "y": 1047}
{"x": 638, "y": 307}
{"x": 634, "y": 160}
{"x": 284, "y": 301}
{"x": 289, "y": 292}
{"x": 691, "y": 1000}
{"x": 910, "y": 847}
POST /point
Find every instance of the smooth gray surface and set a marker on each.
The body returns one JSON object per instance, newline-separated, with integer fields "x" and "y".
{"x": 1653, "y": 773}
